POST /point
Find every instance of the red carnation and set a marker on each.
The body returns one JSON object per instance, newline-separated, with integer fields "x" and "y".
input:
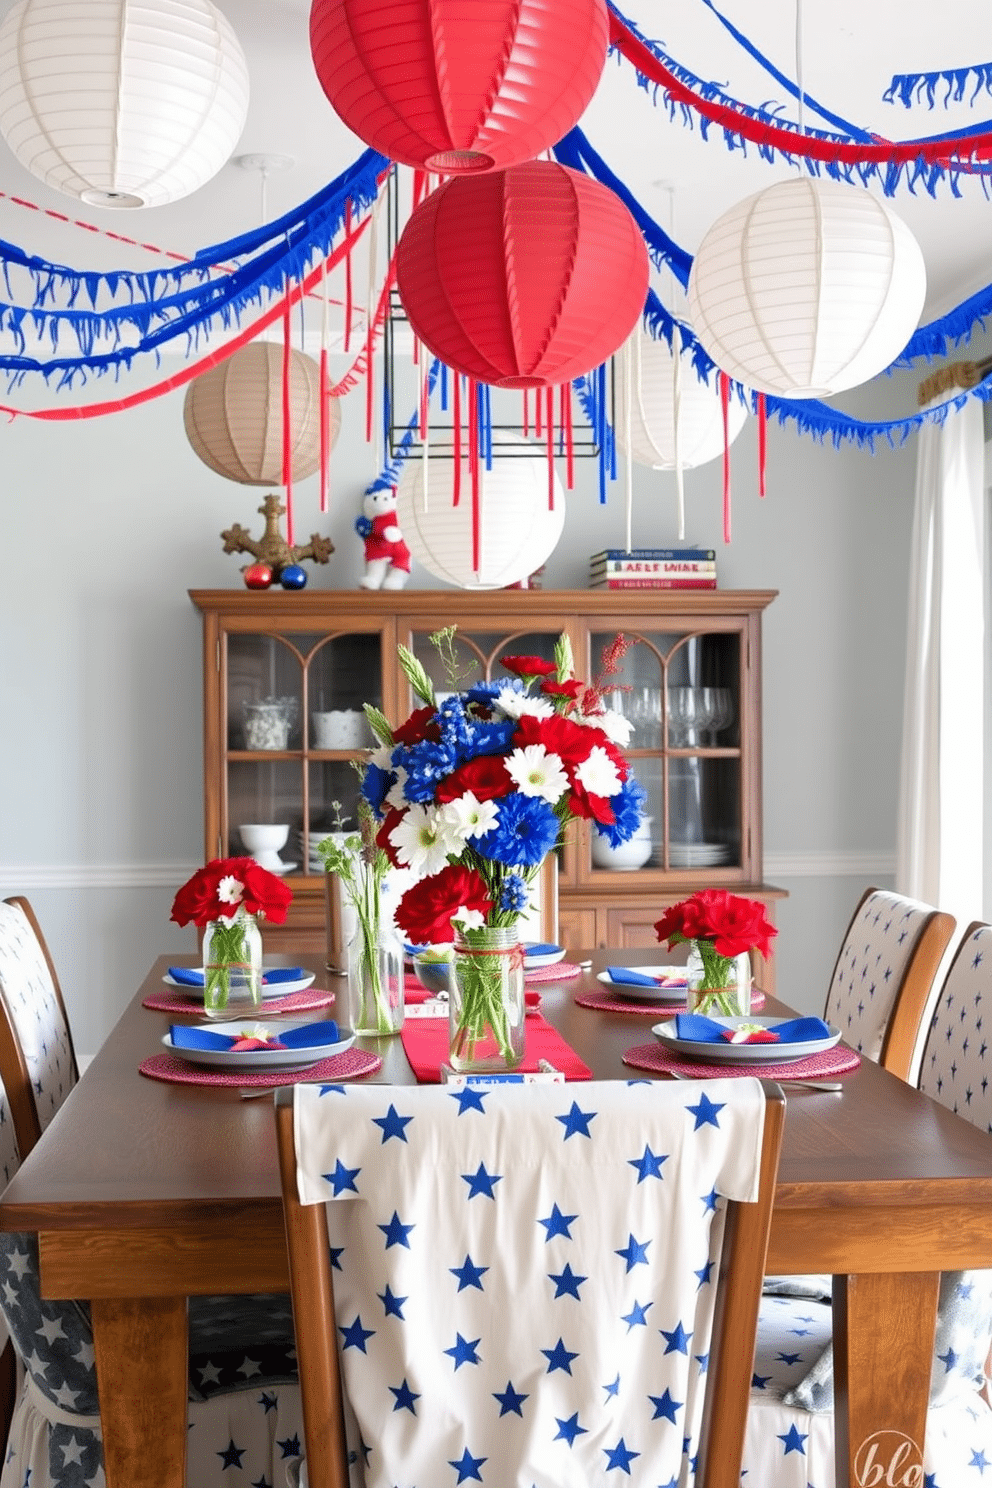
{"x": 425, "y": 910}
{"x": 732, "y": 923}
{"x": 198, "y": 901}
{"x": 570, "y": 741}
{"x": 597, "y": 808}
{"x": 393, "y": 817}
{"x": 570, "y": 689}
{"x": 485, "y": 776}
{"x": 418, "y": 726}
{"x": 528, "y": 666}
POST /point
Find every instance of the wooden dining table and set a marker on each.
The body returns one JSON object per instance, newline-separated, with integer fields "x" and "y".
{"x": 143, "y": 1193}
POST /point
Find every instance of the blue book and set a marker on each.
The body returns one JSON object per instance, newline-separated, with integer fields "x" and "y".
{"x": 620, "y": 555}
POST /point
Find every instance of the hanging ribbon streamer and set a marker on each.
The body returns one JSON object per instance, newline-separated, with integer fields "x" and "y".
{"x": 550, "y": 409}
{"x": 677, "y": 426}
{"x": 287, "y": 432}
{"x": 566, "y": 424}
{"x": 725, "y": 406}
{"x": 325, "y": 397}
{"x": 910, "y": 88}
{"x": 473, "y": 462}
{"x": 456, "y": 429}
{"x": 762, "y": 412}
{"x": 348, "y": 301}
{"x": 628, "y": 398}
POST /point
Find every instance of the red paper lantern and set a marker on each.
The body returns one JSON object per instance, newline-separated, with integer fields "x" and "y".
{"x": 456, "y": 87}
{"x": 523, "y": 278}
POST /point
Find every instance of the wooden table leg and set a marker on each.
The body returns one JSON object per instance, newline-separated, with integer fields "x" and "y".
{"x": 141, "y": 1353}
{"x": 883, "y": 1352}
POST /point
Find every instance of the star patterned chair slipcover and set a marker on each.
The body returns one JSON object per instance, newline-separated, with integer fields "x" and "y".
{"x": 533, "y": 1284}
{"x": 242, "y": 1357}
{"x": 790, "y": 1424}
{"x": 883, "y": 976}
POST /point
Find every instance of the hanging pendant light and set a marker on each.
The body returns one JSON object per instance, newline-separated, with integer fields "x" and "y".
{"x": 456, "y": 87}
{"x": 807, "y": 288}
{"x": 233, "y": 415}
{"x": 521, "y": 278}
{"x": 121, "y": 103}
{"x": 653, "y": 406}
{"x": 518, "y": 526}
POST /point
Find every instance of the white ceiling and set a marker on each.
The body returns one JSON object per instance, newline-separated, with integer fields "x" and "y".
{"x": 850, "y": 50}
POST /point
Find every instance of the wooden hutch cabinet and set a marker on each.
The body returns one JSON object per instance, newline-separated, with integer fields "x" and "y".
{"x": 286, "y": 674}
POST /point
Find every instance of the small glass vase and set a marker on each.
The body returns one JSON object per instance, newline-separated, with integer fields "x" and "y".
{"x": 719, "y": 986}
{"x": 232, "y": 965}
{"x": 486, "y": 1005}
{"x": 373, "y": 1002}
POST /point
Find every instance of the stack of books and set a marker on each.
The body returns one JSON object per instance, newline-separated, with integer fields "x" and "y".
{"x": 653, "y": 568}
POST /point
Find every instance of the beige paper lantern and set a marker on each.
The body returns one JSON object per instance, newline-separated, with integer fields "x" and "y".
{"x": 807, "y": 288}
{"x": 121, "y": 103}
{"x": 518, "y": 530}
{"x": 653, "y": 403}
{"x": 233, "y": 415}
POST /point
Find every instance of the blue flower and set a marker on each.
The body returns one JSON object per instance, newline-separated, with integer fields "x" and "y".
{"x": 526, "y": 832}
{"x": 491, "y": 738}
{"x": 627, "y": 810}
{"x": 514, "y": 896}
{"x": 483, "y": 693}
{"x": 377, "y": 785}
{"x": 425, "y": 763}
{"x": 456, "y": 730}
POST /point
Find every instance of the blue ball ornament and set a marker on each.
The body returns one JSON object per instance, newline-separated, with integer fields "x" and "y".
{"x": 293, "y": 577}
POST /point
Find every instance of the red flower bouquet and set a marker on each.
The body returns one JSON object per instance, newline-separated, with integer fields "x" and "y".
{"x": 227, "y": 898}
{"x": 720, "y": 927}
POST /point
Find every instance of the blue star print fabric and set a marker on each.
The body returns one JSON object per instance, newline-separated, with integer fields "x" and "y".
{"x": 524, "y": 1276}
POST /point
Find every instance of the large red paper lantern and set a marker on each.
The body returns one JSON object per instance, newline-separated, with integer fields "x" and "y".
{"x": 524, "y": 278}
{"x": 455, "y": 87}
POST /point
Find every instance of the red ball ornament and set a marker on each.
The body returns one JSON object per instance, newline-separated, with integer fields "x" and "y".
{"x": 456, "y": 87}
{"x": 258, "y": 576}
{"x": 523, "y": 278}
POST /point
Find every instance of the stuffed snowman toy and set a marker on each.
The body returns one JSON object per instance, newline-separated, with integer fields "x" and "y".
{"x": 387, "y": 557}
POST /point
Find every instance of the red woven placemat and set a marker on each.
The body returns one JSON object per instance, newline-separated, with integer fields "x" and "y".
{"x": 293, "y": 1002}
{"x": 560, "y": 971}
{"x": 606, "y": 1003}
{"x": 347, "y": 1066}
{"x": 425, "y": 1042}
{"x": 839, "y": 1060}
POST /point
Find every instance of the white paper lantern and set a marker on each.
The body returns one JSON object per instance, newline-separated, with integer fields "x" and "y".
{"x": 122, "y": 103}
{"x": 518, "y": 529}
{"x": 233, "y": 415}
{"x": 652, "y": 408}
{"x": 807, "y": 288}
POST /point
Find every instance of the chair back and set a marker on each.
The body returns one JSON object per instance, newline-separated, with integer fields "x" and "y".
{"x": 884, "y": 974}
{"x": 561, "y": 1280}
{"x": 37, "y": 1058}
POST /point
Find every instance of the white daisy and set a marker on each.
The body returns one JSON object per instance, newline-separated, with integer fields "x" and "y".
{"x": 382, "y": 757}
{"x": 616, "y": 728}
{"x": 535, "y": 772}
{"x": 468, "y": 919}
{"x": 230, "y": 890}
{"x": 470, "y": 817}
{"x": 516, "y": 704}
{"x": 423, "y": 841}
{"x": 598, "y": 773}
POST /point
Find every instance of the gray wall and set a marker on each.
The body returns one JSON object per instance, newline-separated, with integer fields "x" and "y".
{"x": 107, "y": 523}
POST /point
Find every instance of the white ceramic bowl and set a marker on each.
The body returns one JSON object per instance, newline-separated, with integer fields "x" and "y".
{"x": 263, "y": 840}
{"x": 626, "y": 857}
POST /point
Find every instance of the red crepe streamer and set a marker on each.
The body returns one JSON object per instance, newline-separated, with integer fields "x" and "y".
{"x": 348, "y": 304}
{"x": 537, "y": 414}
{"x": 725, "y": 406}
{"x": 473, "y": 460}
{"x": 424, "y": 407}
{"x": 934, "y": 152}
{"x": 287, "y": 433}
{"x": 325, "y": 429}
{"x": 566, "y": 424}
{"x": 549, "y": 394}
{"x": 526, "y": 412}
{"x": 194, "y": 369}
{"x": 762, "y": 442}
{"x": 456, "y": 419}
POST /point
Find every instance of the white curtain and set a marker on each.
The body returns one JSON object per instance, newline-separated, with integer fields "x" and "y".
{"x": 939, "y": 843}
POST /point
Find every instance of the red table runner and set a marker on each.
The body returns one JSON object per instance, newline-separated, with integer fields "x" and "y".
{"x": 425, "y": 1042}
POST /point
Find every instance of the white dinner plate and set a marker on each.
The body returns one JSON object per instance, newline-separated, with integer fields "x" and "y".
{"x": 744, "y": 1053}
{"x": 258, "y": 1059}
{"x": 532, "y": 962}
{"x": 269, "y": 991}
{"x": 675, "y": 993}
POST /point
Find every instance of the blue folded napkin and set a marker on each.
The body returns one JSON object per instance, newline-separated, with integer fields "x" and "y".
{"x": 193, "y": 977}
{"x": 541, "y": 950}
{"x": 696, "y": 1029}
{"x": 310, "y": 1036}
{"x": 625, "y": 976}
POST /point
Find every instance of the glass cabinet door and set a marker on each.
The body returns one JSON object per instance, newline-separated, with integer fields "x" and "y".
{"x": 681, "y": 692}
{"x": 294, "y": 725}
{"x": 476, "y": 654}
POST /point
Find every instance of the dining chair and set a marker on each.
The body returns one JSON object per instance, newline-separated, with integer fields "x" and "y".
{"x": 884, "y": 972}
{"x": 527, "y": 1283}
{"x": 37, "y": 1058}
{"x": 790, "y": 1423}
